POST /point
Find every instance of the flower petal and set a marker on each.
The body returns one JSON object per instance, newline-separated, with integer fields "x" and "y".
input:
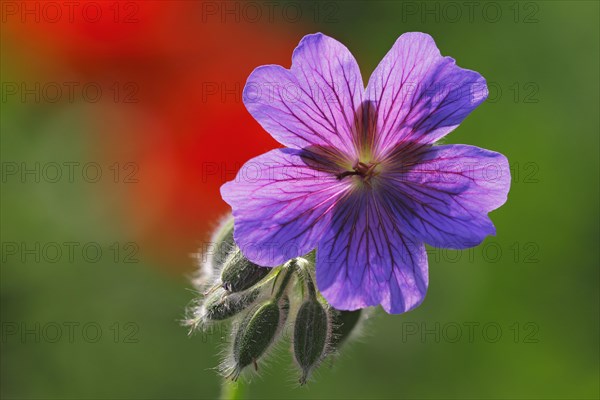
{"x": 419, "y": 95}
{"x": 445, "y": 198}
{"x": 314, "y": 102}
{"x": 281, "y": 205}
{"x": 364, "y": 259}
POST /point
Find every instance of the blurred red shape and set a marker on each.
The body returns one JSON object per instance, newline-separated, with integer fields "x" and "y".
{"x": 175, "y": 73}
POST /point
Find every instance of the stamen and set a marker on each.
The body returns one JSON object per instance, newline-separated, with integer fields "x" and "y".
{"x": 345, "y": 174}
{"x": 361, "y": 169}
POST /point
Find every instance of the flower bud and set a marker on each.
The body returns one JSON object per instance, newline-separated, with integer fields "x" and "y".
{"x": 344, "y": 323}
{"x": 311, "y": 332}
{"x": 284, "y": 305}
{"x": 210, "y": 258}
{"x": 254, "y": 336}
{"x": 221, "y": 305}
{"x": 239, "y": 273}
{"x": 223, "y": 242}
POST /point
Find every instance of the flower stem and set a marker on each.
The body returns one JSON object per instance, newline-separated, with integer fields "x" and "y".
{"x": 288, "y": 271}
{"x": 232, "y": 390}
{"x": 308, "y": 281}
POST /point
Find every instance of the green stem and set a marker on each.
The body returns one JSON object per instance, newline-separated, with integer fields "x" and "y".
{"x": 310, "y": 286}
{"x": 288, "y": 271}
{"x": 232, "y": 390}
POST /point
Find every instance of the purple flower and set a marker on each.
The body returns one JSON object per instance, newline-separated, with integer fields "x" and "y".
{"x": 361, "y": 179}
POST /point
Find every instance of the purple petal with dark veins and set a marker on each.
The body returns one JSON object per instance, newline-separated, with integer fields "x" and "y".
{"x": 444, "y": 199}
{"x": 314, "y": 102}
{"x": 365, "y": 260}
{"x": 281, "y": 205}
{"x": 368, "y": 220}
{"x": 420, "y": 96}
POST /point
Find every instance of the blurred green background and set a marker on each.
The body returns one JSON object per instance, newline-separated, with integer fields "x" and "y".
{"x": 517, "y": 317}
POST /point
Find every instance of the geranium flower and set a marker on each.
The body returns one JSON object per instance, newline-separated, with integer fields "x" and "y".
{"x": 361, "y": 179}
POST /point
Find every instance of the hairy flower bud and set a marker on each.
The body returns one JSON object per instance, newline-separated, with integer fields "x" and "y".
{"x": 344, "y": 323}
{"x": 220, "y": 305}
{"x": 212, "y": 255}
{"x": 284, "y": 305}
{"x": 239, "y": 273}
{"x": 259, "y": 300}
{"x": 311, "y": 333}
{"x": 223, "y": 242}
{"x": 255, "y": 334}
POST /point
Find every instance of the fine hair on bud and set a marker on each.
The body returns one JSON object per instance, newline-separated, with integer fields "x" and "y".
{"x": 239, "y": 273}
{"x": 255, "y": 335}
{"x": 312, "y": 333}
{"x": 223, "y": 242}
{"x": 220, "y": 305}
{"x": 210, "y": 258}
{"x": 260, "y": 328}
{"x": 345, "y": 324}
